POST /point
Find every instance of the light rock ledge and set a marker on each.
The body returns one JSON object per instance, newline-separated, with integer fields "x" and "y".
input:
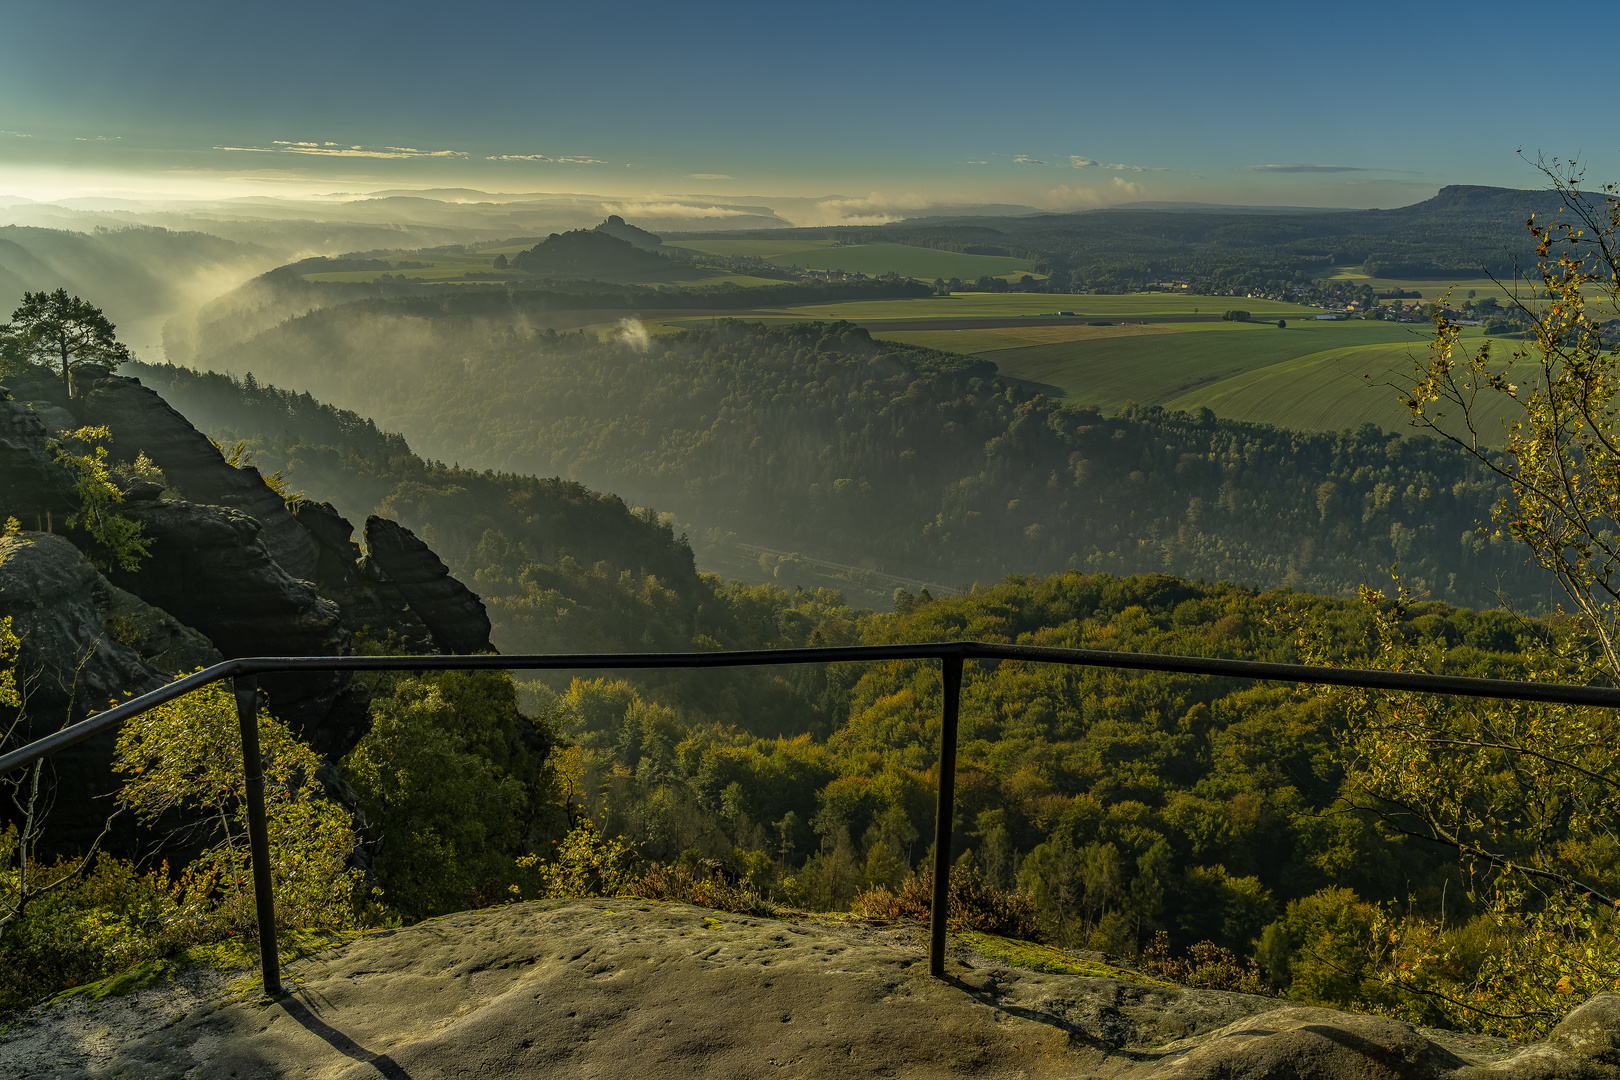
{"x": 614, "y": 988}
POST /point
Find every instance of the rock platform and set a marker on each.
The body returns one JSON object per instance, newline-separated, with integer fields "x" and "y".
{"x": 617, "y": 988}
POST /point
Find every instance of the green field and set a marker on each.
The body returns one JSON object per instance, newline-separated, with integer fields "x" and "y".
{"x": 1434, "y": 290}
{"x": 1008, "y": 305}
{"x": 1321, "y": 391}
{"x": 904, "y": 259}
{"x": 1160, "y": 368}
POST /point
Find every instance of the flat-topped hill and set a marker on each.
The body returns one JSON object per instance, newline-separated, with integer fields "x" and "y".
{"x": 603, "y": 988}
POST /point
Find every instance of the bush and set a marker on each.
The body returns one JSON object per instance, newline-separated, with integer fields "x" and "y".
{"x": 1235, "y": 315}
{"x": 106, "y": 917}
{"x": 1206, "y": 966}
{"x": 662, "y": 882}
{"x": 974, "y": 904}
{"x": 585, "y": 863}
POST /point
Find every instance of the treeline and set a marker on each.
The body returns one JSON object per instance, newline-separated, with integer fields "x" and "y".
{"x": 816, "y": 438}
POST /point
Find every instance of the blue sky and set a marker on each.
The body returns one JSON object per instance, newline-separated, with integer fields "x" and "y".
{"x": 1055, "y": 105}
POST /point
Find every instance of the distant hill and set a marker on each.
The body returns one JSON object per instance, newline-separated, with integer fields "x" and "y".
{"x": 588, "y": 253}
{"x": 641, "y": 238}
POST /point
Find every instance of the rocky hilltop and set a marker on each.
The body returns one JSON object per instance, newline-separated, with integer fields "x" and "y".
{"x": 234, "y": 570}
{"x": 607, "y": 988}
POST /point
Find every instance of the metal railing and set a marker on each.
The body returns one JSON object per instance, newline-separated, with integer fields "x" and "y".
{"x": 952, "y": 657}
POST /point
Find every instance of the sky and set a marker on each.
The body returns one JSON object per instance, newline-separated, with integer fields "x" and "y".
{"x": 1061, "y": 106}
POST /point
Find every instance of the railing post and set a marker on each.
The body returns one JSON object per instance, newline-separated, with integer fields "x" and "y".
{"x": 945, "y": 814}
{"x": 264, "y": 895}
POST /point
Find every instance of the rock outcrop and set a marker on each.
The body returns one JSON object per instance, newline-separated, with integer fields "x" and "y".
{"x": 209, "y": 568}
{"x": 367, "y": 605}
{"x": 142, "y": 422}
{"x": 33, "y": 487}
{"x": 594, "y": 988}
{"x": 70, "y": 664}
{"x": 452, "y": 612}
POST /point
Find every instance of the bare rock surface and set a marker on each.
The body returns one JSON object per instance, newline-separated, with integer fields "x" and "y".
{"x": 367, "y": 605}
{"x": 611, "y": 988}
{"x": 209, "y": 568}
{"x": 141, "y": 421}
{"x": 453, "y": 612}
{"x": 33, "y": 487}
{"x": 70, "y": 664}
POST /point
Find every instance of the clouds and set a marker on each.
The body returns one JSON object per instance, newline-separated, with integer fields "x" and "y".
{"x": 542, "y": 157}
{"x": 1078, "y": 162}
{"x": 1304, "y": 168}
{"x": 674, "y": 210}
{"x": 17, "y": 134}
{"x": 1118, "y": 190}
{"x": 338, "y": 150}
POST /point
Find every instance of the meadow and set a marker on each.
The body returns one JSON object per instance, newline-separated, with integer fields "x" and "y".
{"x": 904, "y": 259}
{"x": 1433, "y": 289}
{"x": 1322, "y": 391}
{"x": 1155, "y": 369}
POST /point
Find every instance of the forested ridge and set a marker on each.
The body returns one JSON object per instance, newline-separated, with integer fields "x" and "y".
{"x": 1459, "y": 233}
{"x": 816, "y": 438}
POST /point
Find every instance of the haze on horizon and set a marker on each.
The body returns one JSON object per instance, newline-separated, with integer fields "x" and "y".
{"x": 874, "y": 108}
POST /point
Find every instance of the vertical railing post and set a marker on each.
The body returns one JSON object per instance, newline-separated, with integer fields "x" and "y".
{"x": 264, "y": 895}
{"x": 945, "y": 814}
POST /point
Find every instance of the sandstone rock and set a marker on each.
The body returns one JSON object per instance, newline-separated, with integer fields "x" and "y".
{"x": 608, "y": 988}
{"x": 69, "y": 666}
{"x": 209, "y": 569}
{"x": 33, "y": 487}
{"x": 452, "y": 612}
{"x": 156, "y": 636}
{"x": 366, "y": 606}
{"x": 141, "y": 421}
{"x": 1591, "y": 1031}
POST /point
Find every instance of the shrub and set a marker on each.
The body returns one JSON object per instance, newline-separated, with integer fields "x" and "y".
{"x": 662, "y": 882}
{"x": 974, "y": 904}
{"x": 105, "y": 917}
{"x": 585, "y": 863}
{"x": 1206, "y": 966}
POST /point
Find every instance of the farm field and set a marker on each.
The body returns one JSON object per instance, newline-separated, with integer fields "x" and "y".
{"x": 1157, "y": 369}
{"x": 905, "y": 259}
{"x": 991, "y": 339}
{"x": 1433, "y": 289}
{"x": 1014, "y": 305}
{"x": 1323, "y": 391}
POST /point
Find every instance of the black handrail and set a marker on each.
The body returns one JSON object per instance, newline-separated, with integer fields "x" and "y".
{"x": 952, "y": 655}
